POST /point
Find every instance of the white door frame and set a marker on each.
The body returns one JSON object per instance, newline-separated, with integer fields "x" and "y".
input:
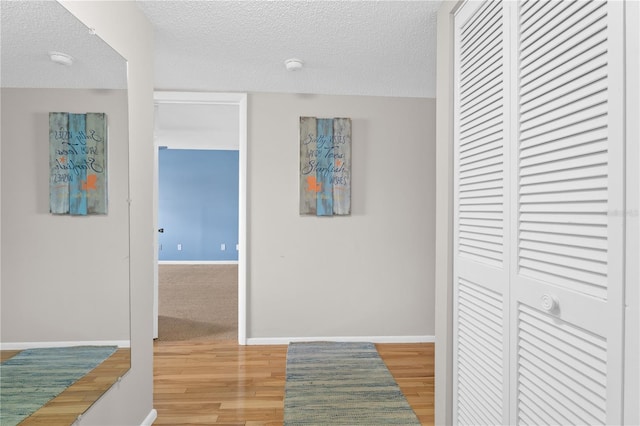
{"x": 211, "y": 98}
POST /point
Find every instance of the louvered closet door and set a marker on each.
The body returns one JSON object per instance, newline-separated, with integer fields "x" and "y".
{"x": 566, "y": 284}
{"x": 480, "y": 283}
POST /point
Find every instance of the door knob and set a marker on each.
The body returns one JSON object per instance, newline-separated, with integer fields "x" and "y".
{"x": 550, "y": 302}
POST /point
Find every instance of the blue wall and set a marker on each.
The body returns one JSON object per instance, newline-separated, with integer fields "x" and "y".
{"x": 198, "y": 204}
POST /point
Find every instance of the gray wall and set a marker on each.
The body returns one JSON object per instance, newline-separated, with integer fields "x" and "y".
{"x": 64, "y": 278}
{"x": 368, "y": 274}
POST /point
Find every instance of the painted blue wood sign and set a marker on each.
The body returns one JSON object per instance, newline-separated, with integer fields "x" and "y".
{"x": 77, "y": 163}
{"x": 325, "y": 166}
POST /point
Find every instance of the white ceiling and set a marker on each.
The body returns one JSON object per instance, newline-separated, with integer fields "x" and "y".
{"x": 197, "y": 126}
{"x": 381, "y": 48}
{"x": 29, "y": 30}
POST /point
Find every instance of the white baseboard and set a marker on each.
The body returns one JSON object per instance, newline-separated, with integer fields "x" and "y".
{"x": 13, "y": 346}
{"x": 197, "y": 262}
{"x": 373, "y": 339}
{"x": 151, "y": 417}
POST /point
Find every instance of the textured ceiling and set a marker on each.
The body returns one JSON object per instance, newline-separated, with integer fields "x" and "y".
{"x": 382, "y": 48}
{"x": 31, "y": 29}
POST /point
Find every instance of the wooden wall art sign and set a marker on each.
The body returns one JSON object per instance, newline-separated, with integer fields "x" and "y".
{"x": 325, "y": 166}
{"x": 77, "y": 163}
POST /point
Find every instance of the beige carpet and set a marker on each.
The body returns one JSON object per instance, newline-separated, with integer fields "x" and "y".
{"x": 197, "y": 302}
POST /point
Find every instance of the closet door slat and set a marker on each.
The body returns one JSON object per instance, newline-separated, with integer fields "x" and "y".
{"x": 564, "y": 365}
{"x": 480, "y": 367}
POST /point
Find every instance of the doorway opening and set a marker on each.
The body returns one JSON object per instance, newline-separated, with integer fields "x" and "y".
{"x": 198, "y": 122}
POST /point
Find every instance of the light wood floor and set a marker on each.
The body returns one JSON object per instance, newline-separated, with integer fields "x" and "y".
{"x": 64, "y": 409}
{"x": 223, "y": 383}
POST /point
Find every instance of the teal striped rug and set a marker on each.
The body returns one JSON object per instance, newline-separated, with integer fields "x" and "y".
{"x": 332, "y": 383}
{"x": 33, "y": 377}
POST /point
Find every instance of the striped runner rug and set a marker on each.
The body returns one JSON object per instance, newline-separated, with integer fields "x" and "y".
{"x": 34, "y": 376}
{"x": 338, "y": 383}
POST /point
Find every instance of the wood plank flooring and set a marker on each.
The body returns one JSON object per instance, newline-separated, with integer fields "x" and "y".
{"x": 6, "y": 354}
{"x": 64, "y": 409}
{"x": 223, "y": 383}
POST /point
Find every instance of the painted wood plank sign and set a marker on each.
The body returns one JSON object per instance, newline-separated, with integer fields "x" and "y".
{"x": 77, "y": 163}
{"x": 325, "y": 166}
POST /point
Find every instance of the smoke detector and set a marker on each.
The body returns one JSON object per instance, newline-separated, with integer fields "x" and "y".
{"x": 293, "y": 64}
{"x": 61, "y": 58}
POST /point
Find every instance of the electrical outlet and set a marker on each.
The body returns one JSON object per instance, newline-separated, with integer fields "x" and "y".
{"x": 237, "y": 247}
{"x": 179, "y": 247}
{"x": 223, "y": 246}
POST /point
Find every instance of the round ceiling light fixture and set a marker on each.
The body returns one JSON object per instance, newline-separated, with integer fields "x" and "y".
{"x": 293, "y": 64}
{"x": 61, "y": 58}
